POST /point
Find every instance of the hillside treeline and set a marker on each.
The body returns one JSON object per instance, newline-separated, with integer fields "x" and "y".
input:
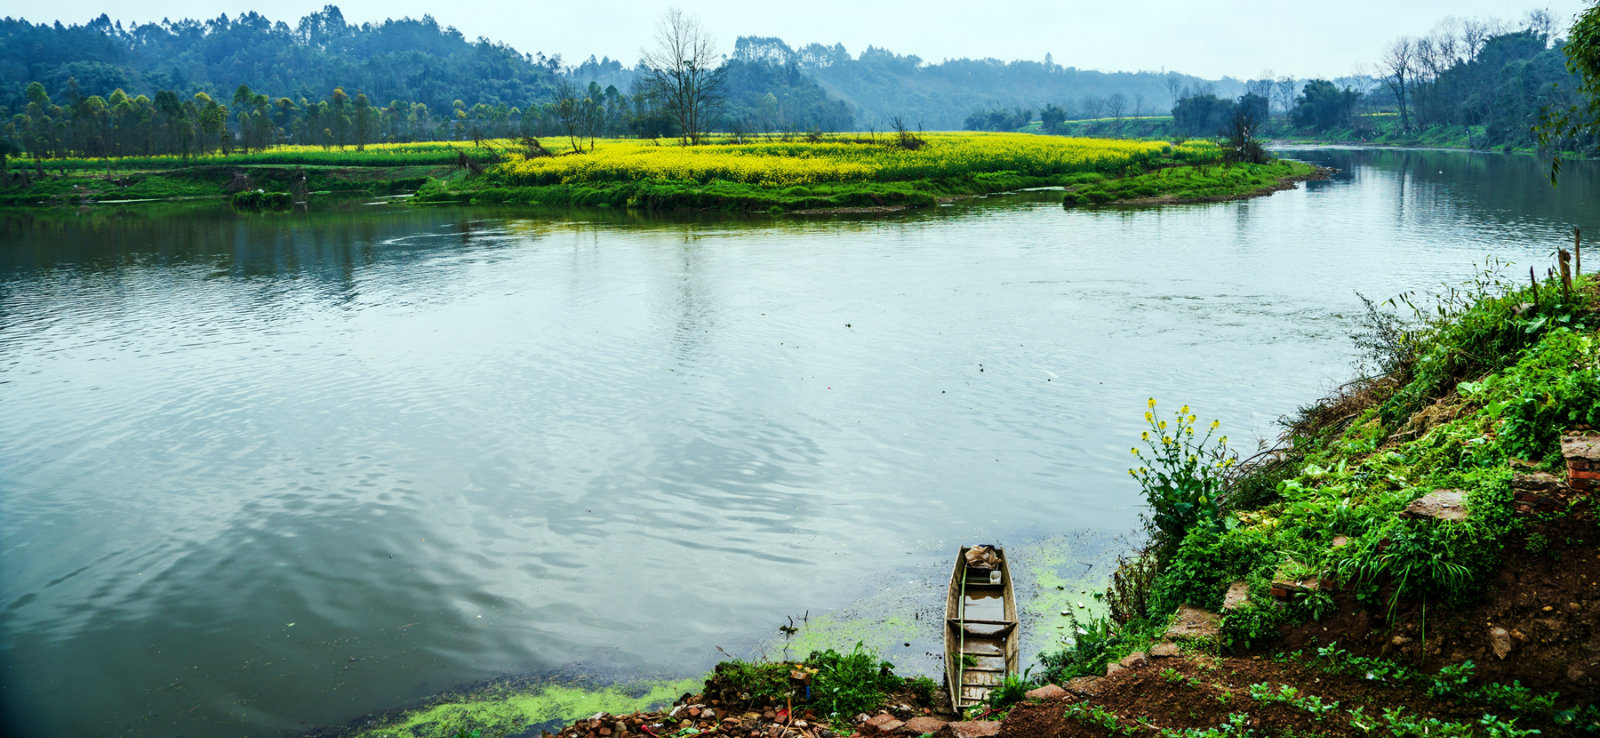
{"x": 188, "y": 87}
{"x": 881, "y": 84}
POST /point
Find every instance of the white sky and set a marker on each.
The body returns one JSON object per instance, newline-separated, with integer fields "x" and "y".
{"x": 1214, "y": 38}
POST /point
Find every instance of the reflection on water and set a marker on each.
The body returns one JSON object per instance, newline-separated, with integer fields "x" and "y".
{"x": 263, "y": 472}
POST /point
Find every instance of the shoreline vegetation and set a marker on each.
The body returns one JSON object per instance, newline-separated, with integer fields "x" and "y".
{"x": 1416, "y": 556}
{"x": 1375, "y": 130}
{"x": 819, "y": 174}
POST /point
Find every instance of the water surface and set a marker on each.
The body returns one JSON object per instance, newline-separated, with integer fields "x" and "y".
{"x": 262, "y": 473}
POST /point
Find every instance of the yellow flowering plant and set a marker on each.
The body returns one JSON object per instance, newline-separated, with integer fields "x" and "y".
{"x": 1182, "y": 474}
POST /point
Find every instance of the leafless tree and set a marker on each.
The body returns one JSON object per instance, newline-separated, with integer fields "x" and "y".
{"x": 1174, "y": 86}
{"x": 1399, "y": 66}
{"x": 1262, "y": 86}
{"x": 1540, "y": 21}
{"x": 1138, "y": 106}
{"x": 1286, "y": 91}
{"x": 1117, "y": 104}
{"x": 568, "y": 111}
{"x": 684, "y": 77}
{"x": 1474, "y": 33}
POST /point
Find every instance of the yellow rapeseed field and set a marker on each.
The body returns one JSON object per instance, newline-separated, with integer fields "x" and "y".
{"x": 849, "y": 158}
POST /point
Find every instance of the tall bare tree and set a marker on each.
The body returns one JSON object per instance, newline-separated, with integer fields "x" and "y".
{"x": 1399, "y": 66}
{"x": 685, "y": 79}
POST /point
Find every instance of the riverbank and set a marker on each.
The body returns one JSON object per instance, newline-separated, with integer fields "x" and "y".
{"x": 1378, "y": 130}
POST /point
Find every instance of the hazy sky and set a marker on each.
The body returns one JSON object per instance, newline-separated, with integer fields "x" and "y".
{"x": 1240, "y": 38}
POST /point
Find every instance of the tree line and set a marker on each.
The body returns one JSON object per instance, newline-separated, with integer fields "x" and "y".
{"x": 1499, "y": 79}
{"x": 103, "y": 90}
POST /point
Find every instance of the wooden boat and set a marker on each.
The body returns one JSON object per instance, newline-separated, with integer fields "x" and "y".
{"x": 981, "y": 639}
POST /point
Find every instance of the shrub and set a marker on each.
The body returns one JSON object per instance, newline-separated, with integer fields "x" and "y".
{"x": 1181, "y": 476}
{"x": 850, "y": 683}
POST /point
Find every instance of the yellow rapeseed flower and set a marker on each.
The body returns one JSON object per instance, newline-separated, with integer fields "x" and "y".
{"x": 1148, "y": 418}
{"x": 1215, "y": 424}
{"x": 1151, "y": 403}
{"x": 1162, "y": 425}
{"x": 1145, "y": 435}
{"x": 1183, "y": 410}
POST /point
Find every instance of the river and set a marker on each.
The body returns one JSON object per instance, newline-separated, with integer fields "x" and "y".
{"x": 262, "y": 473}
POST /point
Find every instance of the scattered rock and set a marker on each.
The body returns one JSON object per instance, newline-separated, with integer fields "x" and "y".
{"x": 1399, "y": 641}
{"x": 1581, "y": 452}
{"x": 890, "y": 726}
{"x": 1133, "y": 659}
{"x": 1113, "y": 668}
{"x": 1164, "y": 651}
{"x": 972, "y": 729}
{"x": 1086, "y": 686}
{"x": 1047, "y": 692}
{"x": 1238, "y": 596}
{"x": 1575, "y": 673}
{"x": 1194, "y": 623}
{"x": 922, "y": 725}
{"x": 878, "y": 720}
{"x": 1341, "y": 541}
{"x": 1500, "y": 641}
{"x": 1440, "y": 504}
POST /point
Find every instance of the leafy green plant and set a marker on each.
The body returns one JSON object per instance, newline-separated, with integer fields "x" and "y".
{"x": 1451, "y": 680}
{"x": 1516, "y": 698}
{"x": 1095, "y": 716}
{"x": 1341, "y": 661}
{"x": 1011, "y": 689}
{"x": 925, "y": 689}
{"x": 850, "y": 683}
{"x": 1181, "y": 476}
{"x": 754, "y": 681}
{"x": 1088, "y": 653}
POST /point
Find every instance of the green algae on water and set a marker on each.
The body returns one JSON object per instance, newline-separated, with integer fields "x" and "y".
{"x": 506, "y": 710}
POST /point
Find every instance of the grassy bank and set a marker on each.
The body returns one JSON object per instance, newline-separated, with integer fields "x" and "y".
{"x": 1378, "y": 129}
{"x": 1204, "y": 183}
{"x": 380, "y": 169}
{"x": 1319, "y": 550}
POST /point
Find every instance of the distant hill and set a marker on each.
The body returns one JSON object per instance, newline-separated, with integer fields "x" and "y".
{"x": 881, "y": 84}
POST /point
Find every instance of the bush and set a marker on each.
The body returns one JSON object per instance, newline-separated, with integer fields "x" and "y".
{"x": 1182, "y": 476}
{"x": 261, "y": 200}
{"x": 847, "y": 684}
{"x": 1093, "y": 646}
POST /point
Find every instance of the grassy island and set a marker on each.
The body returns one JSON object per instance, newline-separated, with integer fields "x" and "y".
{"x": 821, "y": 173}
{"x": 849, "y": 172}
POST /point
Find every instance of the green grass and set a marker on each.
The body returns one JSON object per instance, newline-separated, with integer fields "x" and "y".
{"x": 1190, "y": 184}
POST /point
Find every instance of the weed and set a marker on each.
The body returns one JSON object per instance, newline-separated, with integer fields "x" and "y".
{"x": 850, "y": 683}
{"x": 1095, "y": 716}
{"x": 1181, "y": 476}
{"x": 1451, "y": 680}
{"x": 924, "y": 688}
{"x": 1011, "y": 689}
